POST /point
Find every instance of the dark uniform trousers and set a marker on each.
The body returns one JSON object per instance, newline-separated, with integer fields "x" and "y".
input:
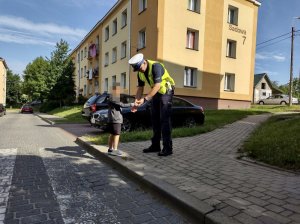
{"x": 161, "y": 111}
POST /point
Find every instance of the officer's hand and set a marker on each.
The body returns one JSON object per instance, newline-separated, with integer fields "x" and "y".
{"x": 134, "y": 109}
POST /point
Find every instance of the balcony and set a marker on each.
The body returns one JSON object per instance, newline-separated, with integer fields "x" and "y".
{"x": 92, "y": 73}
{"x": 93, "y": 51}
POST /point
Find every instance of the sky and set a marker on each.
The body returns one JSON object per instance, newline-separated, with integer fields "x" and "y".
{"x": 31, "y": 28}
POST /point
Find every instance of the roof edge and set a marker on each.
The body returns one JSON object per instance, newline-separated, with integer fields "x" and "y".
{"x": 255, "y": 2}
{"x": 97, "y": 25}
{"x": 5, "y": 65}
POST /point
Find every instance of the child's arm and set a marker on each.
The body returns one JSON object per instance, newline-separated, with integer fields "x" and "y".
{"x": 122, "y": 104}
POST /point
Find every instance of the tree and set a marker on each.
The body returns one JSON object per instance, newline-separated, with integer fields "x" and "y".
{"x": 58, "y": 61}
{"x": 64, "y": 89}
{"x": 13, "y": 88}
{"x": 35, "y": 79}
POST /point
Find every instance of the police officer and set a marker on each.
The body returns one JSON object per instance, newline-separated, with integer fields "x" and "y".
{"x": 161, "y": 93}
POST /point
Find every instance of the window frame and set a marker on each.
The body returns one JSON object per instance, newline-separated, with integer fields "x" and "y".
{"x": 191, "y": 81}
{"x": 115, "y": 27}
{"x": 194, "y": 6}
{"x": 142, "y": 43}
{"x": 106, "y": 33}
{"x": 124, "y": 21}
{"x": 142, "y": 5}
{"x": 124, "y": 50}
{"x": 231, "y": 48}
{"x": 229, "y": 86}
{"x": 106, "y": 59}
{"x": 114, "y": 55}
{"x": 195, "y": 43}
{"x": 123, "y": 80}
{"x": 233, "y": 15}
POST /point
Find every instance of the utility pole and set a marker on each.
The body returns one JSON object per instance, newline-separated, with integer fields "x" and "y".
{"x": 291, "y": 68}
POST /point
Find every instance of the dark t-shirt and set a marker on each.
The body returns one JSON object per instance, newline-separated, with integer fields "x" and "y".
{"x": 157, "y": 71}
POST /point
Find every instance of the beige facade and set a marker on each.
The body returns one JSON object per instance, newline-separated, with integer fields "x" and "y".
{"x": 3, "y": 75}
{"x": 208, "y": 47}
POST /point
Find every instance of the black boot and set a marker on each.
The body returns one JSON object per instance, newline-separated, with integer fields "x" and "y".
{"x": 165, "y": 152}
{"x": 152, "y": 148}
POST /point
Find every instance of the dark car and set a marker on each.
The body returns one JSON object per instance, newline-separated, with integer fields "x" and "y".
{"x": 2, "y": 110}
{"x": 184, "y": 113}
{"x": 26, "y": 108}
{"x": 98, "y": 102}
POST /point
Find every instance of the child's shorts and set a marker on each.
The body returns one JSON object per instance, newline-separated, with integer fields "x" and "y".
{"x": 114, "y": 128}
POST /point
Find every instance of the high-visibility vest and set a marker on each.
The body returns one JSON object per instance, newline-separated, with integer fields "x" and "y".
{"x": 166, "y": 83}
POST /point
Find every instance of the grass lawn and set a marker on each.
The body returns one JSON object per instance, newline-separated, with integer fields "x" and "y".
{"x": 213, "y": 119}
{"x": 276, "y": 142}
{"x": 71, "y": 114}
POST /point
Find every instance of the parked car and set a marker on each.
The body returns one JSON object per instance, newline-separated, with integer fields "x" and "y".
{"x": 26, "y": 108}
{"x": 98, "y": 102}
{"x": 278, "y": 99}
{"x": 184, "y": 113}
{"x": 2, "y": 110}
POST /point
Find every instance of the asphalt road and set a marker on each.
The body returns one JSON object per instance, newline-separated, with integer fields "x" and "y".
{"x": 46, "y": 178}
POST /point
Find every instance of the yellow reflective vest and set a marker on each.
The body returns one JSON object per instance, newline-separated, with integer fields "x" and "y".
{"x": 166, "y": 82}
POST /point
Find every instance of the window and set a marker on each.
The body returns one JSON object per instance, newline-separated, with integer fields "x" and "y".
{"x": 85, "y": 71}
{"x": 114, "y": 80}
{"x": 264, "y": 93}
{"x": 123, "y": 49}
{"x": 192, "y": 37}
{"x": 123, "y": 80}
{"x": 106, "y": 84}
{"x": 190, "y": 77}
{"x": 81, "y": 72}
{"x": 115, "y": 27}
{"x": 124, "y": 18}
{"x": 81, "y": 55}
{"x": 194, "y": 5}
{"x": 229, "y": 82}
{"x": 231, "y": 49}
{"x": 232, "y": 15}
{"x": 85, "y": 52}
{"x": 106, "y": 59}
{"x": 263, "y": 85}
{"x": 114, "y": 55}
{"x": 84, "y": 90}
{"x": 142, "y": 5}
{"x": 106, "y": 33}
{"x": 142, "y": 39}
{"x": 78, "y": 57}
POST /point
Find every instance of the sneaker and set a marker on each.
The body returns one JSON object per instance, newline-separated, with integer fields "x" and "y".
{"x": 116, "y": 153}
{"x": 151, "y": 149}
{"x": 109, "y": 151}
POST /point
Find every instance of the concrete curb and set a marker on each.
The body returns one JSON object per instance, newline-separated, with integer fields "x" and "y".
{"x": 197, "y": 210}
{"x": 45, "y": 119}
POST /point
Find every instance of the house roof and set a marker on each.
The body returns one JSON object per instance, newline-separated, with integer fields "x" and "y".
{"x": 258, "y": 77}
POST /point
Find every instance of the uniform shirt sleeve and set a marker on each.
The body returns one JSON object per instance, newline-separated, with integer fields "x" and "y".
{"x": 157, "y": 71}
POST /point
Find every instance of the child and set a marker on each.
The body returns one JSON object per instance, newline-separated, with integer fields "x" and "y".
{"x": 115, "y": 120}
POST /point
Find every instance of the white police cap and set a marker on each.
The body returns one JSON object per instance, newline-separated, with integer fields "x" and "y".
{"x": 136, "y": 61}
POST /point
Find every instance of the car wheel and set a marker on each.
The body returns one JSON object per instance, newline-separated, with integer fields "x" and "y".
{"x": 126, "y": 126}
{"x": 283, "y": 103}
{"x": 261, "y": 103}
{"x": 189, "y": 122}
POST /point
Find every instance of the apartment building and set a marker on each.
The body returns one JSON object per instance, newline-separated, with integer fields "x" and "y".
{"x": 208, "y": 47}
{"x": 3, "y": 74}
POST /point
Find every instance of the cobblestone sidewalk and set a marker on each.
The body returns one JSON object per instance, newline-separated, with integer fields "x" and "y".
{"x": 205, "y": 168}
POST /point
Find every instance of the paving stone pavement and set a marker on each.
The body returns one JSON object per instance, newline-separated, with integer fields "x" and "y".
{"x": 48, "y": 179}
{"x": 67, "y": 185}
{"x": 206, "y": 167}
